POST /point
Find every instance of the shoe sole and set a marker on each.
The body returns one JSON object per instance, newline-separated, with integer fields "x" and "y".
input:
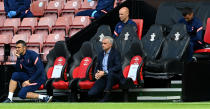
{"x": 50, "y": 99}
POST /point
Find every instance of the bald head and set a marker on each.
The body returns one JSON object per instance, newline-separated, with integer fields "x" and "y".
{"x": 124, "y": 14}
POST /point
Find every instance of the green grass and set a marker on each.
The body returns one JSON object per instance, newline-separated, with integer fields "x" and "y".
{"x": 137, "y": 105}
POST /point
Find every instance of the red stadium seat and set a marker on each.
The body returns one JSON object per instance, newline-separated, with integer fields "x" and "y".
{"x": 38, "y": 7}
{"x": 27, "y": 26}
{"x": 49, "y": 43}
{"x": 139, "y": 23}
{"x": 44, "y": 26}
{"x": 80, "y": 22}
{"x": 5, "y": 39}
{"x": 35, "y": 42}
{"x": 12, "y": 57}
{"x": 88, "y": 5}
{"x": 71, "y": 7}
{"x": 10, "y": 26}
{"x": 2, "y": 8}
{"x": 2, "y": 19}
{"x": 54, "y": 7}
{"x": 62, "y": 26}
{"x": 73, "y": 31}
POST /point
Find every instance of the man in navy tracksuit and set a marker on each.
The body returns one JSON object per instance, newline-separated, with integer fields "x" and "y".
{"x": 29, "y": 73}
{"x": 17, "y": 8}
{"x": 194, "y": 28}
{"x": 124, "y": 20}
{"x": 103, "y": 7}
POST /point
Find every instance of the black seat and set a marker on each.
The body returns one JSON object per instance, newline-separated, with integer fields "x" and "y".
{"x": 103, "y": 30}
{"x": 174, "y": 53}
{"x": 126, "y": 38}
{"x": 153, "y": 42}
{"x": 134, "y": 56}
{"x": 58, "y": 56}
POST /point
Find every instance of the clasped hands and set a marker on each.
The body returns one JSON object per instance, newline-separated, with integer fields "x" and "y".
{"x": 99, "y": 74}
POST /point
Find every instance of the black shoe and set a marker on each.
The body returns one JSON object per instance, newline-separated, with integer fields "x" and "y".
{"x": 7, "y": 101}
{"x": 47, "y": 99}
{"x": 127, "y": 84}
{"x": 107, "y": 97}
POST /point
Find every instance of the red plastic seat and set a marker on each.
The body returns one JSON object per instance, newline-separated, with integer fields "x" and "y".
{"x": 44, "y": 26}
{"x": 35, "y": 42}
{"x": 62, "y": 26}
{"x": 73, "y": 31}
{"x": 88, "y": 5}
{"x": 2, "y": 8}
{"x": 71, "y": 7}
{"x": 12, "y": 57}
{"x": 80, "y": 22}
{"x": 206, "y": 39}
{"x": 10, "y": 26}
{"x": 5, "y": 39}
{"x": 139, "y": 23}
{"x": 2, "y": 19}
{"x": 54, "y": 7}
{"x": 49, "y": 44}
{"x": 38, "y": 7}
{"x": 27, "y": 26}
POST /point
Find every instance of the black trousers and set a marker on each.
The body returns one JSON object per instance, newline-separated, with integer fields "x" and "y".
{"x": 105, "y": 83}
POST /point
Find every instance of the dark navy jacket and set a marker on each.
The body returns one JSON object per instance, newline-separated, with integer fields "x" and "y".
{"x": 194, "y": 28}
{"x": 20, "y": 6}
{"x": 114, "y": 62}
{"x": 31, "y": 64}
{"x": 120, "y": 25}
{"x": 105, "y": 5}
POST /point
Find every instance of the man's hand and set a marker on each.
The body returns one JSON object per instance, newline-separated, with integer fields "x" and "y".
{"x": 27, "y": 83}
{"x": 16, "y": 53}
{"x": 13, "y": 13}
{"x": 99, "y": 74}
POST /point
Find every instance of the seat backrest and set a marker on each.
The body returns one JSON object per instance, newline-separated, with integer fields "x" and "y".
{"x": 46, "y": 21}
{"x": 176, "y": 43}
{"x": 29, "y": 22}
{"x": 52, "y": 38}
{"x": 103, "y": 30}
{"x": 2, "y": 19}
{"x": 55, "y": 6}
{"x": 60, "y": 50}
{"x": 19, "y": 37}
{"x": 83, "y": 62}
{"x": 80, "y": 22}
{"x": 36, "y": 38}
{"x": 88, "y": 5}
{"x": 2, "y": 7}
{"x": 38, "y": 7}
{"x": 73, "y": 4}
{"x": 126, "y": 38}
{"x": 207, "y": 32}
{"x": 139, "y": 23}
{"x": 153, "y": 42}
{"x": 133, "y": 63}
{"x": 5, "y": 39}
{"x": 14, "y": 22}
{"x": 168, "y": 14}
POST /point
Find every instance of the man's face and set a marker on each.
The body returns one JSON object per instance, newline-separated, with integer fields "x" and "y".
{"x": 188, "y": 17}
{"x": 106, "y": 45}
{"x": 123, "y": 15}
{"x": 20, "y": 49}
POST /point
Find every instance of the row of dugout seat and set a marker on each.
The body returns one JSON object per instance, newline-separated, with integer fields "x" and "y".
{"x": 154, "y": 47}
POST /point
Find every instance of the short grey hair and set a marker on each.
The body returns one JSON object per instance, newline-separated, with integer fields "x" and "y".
{"x": 111, "y": 40}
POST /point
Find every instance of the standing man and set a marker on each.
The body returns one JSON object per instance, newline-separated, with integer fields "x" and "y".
{"x": 108, "y": 71}
{"x": 29, "y": 73}
{"x": 124, "y": 19}
{"x": 195, "y": 30}
{"x": 103, "y": 7}
{"x": 17, "y": 8}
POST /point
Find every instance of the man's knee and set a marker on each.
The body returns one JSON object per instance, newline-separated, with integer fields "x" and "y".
{"x": 22, "y": 93}
{"x": 91, "y": 93}
{"x": 15, "y": 76}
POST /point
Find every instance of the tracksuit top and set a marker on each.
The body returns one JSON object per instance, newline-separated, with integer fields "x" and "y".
{"x": 31, "y": 64}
